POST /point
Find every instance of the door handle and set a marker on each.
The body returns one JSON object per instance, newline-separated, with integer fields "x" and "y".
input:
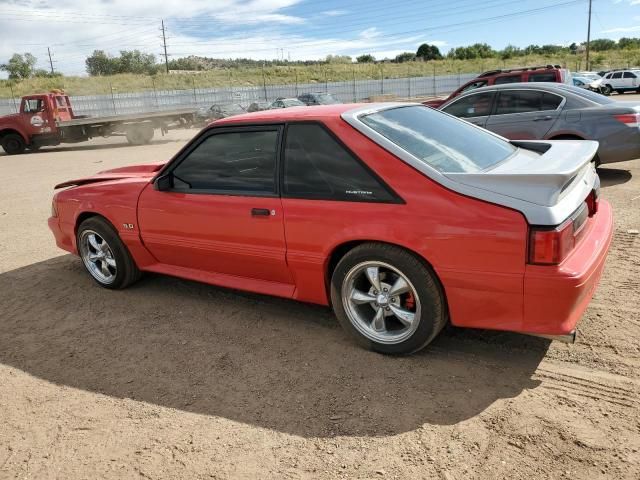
{"x": 540, "y": 119}
{"x": 262, "y": 212}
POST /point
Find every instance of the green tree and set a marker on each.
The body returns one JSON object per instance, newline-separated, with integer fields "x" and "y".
{"x": 428, "y": 52}
{"x": 20, "y": 66}
{"x": 366, "y": 58}
{"x": 405, "y": 57}
{"x": 134, "y": 61}
{"x": 338, "y": 59}
{"x": 625, "y": 42}
{"x": 510, "y": 51}
{"x": 99, "y": 63}
{"x": 602, "y": 44}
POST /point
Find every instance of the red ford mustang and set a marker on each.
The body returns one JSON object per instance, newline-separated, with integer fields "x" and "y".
{"x": 398, "y": 216}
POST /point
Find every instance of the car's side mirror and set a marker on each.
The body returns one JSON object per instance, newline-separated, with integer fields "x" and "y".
{"x": 164, "y": 182}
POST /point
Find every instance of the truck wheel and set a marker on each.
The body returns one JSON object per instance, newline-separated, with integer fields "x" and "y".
{"x": 139, "y": 135}
{"x": 13, "y": 144}
{"x": 148, "y": 134}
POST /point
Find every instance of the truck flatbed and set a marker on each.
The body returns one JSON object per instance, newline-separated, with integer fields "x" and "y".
{"x": 134, "y": 117}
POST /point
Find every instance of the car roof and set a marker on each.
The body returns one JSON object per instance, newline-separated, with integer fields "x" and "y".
{"x": 316, "y": 112}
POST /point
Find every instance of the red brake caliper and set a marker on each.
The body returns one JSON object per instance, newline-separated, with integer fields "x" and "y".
{"x": 410, "y": 301}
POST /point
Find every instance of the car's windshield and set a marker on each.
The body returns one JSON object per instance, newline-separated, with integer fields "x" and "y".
{"x": 326, "y": 99}
{"x": 443, "y": 142}
{"x": 229, "y": 109}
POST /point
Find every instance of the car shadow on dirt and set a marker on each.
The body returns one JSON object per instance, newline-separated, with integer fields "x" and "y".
{"x": 269, "y": 362}
{"x": 610, "y": 176}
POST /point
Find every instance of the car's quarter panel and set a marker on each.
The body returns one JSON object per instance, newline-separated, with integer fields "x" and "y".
{"x": 476, "y": 249}
{"x": 215, "y": 233}
{"x": 555, "y": 297}
{"x": 114, "y": 200}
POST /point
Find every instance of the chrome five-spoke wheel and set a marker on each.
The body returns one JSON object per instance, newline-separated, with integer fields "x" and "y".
{"x": 97, "y": 257}
{"x": 381, "y": 302}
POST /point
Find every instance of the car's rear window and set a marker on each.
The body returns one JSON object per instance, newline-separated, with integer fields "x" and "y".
{"x": 444, "y": 143}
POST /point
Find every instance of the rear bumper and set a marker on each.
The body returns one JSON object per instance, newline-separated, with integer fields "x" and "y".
{"x": 556, "y": 297}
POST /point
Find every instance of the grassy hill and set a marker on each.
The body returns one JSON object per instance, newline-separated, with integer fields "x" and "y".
{"x": 246, "y": 76}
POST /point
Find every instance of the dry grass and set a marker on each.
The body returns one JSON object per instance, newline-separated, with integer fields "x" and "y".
{"x": 302, "y": 74}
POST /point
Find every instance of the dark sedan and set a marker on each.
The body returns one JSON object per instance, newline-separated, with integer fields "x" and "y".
{"x": 554, "y": 111}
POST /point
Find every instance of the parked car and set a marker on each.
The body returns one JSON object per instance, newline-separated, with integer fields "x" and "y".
{"x": 318, "y": 99}
{"x": 589, "y": 84}
{"x": 621, "y": 81}
{"x": 258, "y": 106}
{"x": 547, "y": 73}
{"x": 554, "y": 111}
{"x": 590, "y": 75}
{"x": 286, "y": 103}
{"x": 216, "y": 112}
{"x": 398, "y": 216}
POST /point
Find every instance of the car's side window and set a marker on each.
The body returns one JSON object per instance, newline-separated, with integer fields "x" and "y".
{"x": 542, "y": 77}
{"x": 508, "y": 79}
{"x": 617, "y": 75}
{"x": 550, "y": 101}
{"x": 519, "y": 101}
{"x": 629, "y": 75}
{"x": 317, "y": 166}
{"x": 475, "y": 105}
{"x": 241, "y": 162}
{"x": 607, "y": 76}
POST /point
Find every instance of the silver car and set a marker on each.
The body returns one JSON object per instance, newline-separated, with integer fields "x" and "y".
{"x": 554, "y": 111}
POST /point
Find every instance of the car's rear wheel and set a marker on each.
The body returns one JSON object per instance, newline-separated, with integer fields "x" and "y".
{"x": 387, "y": 299}
{"x": 13, "y": 144}
{"x": 104, "y": 255}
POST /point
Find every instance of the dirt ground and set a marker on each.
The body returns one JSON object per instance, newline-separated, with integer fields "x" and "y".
{"x": 174, "y": 379}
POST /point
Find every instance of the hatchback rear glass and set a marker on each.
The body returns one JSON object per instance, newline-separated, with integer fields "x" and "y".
{"x": 443, "y": 142}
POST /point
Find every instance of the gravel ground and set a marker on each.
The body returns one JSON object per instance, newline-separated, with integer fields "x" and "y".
{"x": 174, "y": 379}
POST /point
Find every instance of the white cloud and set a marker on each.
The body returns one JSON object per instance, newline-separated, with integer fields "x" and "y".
{"x": 622, "y": 29}
{"x": 223, "y": 29}
{"x": 334, "y": 13}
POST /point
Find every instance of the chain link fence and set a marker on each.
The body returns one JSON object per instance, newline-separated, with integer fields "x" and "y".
{"x": 346, "y": 91}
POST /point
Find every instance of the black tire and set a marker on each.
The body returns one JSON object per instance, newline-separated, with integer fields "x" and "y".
{"x": 433, "y": 310}
{"x": 606, "y": 90}
{"x": 139, "y": 134}
{"x": 13, "y": 144}
{"x": 127, "y": 271}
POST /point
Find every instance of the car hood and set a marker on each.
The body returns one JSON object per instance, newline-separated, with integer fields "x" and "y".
{"x": 148, "y": 170}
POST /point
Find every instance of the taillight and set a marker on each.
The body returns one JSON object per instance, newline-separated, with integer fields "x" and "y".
{"x": 550, "y": 246}
{"x": 629, "y": 119}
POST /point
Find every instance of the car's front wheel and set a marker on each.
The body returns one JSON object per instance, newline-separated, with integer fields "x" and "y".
{"x": 104, "y": 255}
{"x": 387, "y": 298}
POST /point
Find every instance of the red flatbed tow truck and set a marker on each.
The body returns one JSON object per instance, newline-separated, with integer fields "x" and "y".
{"x": 48, "y": 119}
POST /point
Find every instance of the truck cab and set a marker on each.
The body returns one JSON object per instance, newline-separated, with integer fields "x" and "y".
{"x": 35, "y": 125}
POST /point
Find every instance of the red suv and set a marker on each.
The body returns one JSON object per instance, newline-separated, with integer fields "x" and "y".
{"x": 546, "y": 73}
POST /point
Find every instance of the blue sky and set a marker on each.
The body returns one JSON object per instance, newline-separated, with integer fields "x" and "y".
{"x": 297, "y": 29}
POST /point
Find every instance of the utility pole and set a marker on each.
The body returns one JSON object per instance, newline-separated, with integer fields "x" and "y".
{"x": 50, "y": 61}
{"x": 164, "y": 44}
{"x": 588, "y": 35}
